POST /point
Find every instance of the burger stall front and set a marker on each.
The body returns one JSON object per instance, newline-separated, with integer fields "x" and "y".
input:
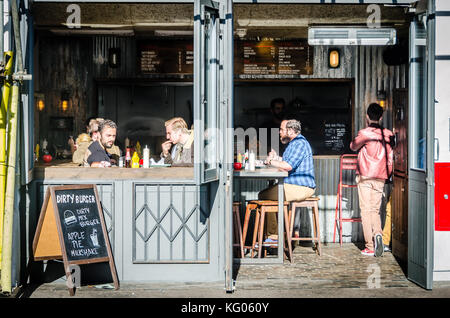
{"x": 218, "y": 64}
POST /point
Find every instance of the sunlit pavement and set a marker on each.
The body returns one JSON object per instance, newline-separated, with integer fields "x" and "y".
{"x": 338, "y": 272}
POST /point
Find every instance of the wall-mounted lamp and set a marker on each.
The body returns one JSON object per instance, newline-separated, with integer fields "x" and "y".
{"x": 381, "y": 98}
{"x": 114, "y": 57}
{"x": 40, "y": 101}
{"x": 65, "y": 96}
{"x": 334, "y": 58}
{"x": 41, "y": 105}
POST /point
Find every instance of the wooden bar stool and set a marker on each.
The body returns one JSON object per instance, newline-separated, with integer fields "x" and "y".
{"x": 237, "y": 228}
{"x": 312, "y": 203}
{"x": 269, "y": 206}
{"x": 251, "y": 207}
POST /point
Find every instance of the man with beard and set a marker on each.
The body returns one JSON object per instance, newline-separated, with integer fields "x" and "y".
{"x": 97, "y": 154}
{"x": 297, "y": 160}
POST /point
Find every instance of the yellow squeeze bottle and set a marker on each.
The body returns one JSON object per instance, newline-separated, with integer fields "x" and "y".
{"x": 239, "y": 158}
{"x": 37, "y": 153}
{"x": 135, "y": 160}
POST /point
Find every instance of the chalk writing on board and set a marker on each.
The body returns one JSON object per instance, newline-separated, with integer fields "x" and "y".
{"x": 335, "y": 136}
{"x": 81, "y": 225}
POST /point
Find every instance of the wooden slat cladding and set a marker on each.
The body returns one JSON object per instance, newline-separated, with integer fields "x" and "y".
{"x": 64, "y": 64}
{"x": 372, "y": 75}
{"x": 101, "y": 46}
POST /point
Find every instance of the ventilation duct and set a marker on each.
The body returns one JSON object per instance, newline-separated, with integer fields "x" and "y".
{"x": 351, "y": 36}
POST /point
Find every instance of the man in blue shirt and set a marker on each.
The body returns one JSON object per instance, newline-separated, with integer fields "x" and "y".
{"x": 297, "y": 160}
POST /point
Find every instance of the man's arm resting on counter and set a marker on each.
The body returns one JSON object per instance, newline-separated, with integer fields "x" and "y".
{"x": 283, "y": 165}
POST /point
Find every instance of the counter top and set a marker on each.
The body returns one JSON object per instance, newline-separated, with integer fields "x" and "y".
{"x": 260, "y": 173}
{"x": 65, "y": 169}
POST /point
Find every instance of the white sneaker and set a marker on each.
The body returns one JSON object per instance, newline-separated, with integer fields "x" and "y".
{"x": 379, "y": 247}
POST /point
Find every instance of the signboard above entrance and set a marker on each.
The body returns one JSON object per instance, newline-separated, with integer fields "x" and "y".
{"x": 269, "y": 59}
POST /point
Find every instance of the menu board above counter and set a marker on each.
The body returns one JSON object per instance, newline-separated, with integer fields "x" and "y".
{"x": 277, "y": 59}
{"x": 163, "y": 58}
{"x": 273, "y": 59}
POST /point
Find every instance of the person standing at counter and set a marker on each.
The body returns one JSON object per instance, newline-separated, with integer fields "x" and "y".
{"x": 97, "y": 154}
{"x": 297, "y": 160}
{"x": 179, "y": 148}
{"x": 375, "y": 158}
{"x": 277, "y": 110}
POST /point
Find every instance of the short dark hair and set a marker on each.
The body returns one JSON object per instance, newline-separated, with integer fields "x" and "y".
{"x": 374, "y": 111}
{"x": 106, "y": 123}
{"x": 278, "y": 100}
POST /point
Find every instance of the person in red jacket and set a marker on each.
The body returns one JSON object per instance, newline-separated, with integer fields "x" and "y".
{"x": 375, "y": 158}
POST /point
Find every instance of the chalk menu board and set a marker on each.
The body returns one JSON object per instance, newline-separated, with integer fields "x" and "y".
{"x": 273, "y": 59}
{"x": 335, "y": 134}
{"x": 71, "y": 226}
{"x": 80, "y": 224}
{"x": 166, "y": 57}
{"x": 328, "y": 132}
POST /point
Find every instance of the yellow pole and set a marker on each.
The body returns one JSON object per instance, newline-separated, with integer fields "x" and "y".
{"x": 10, "y": 186}
{"x": 8, "y": 58}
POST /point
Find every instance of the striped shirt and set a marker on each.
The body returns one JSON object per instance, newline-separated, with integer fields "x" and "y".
{"x": 298, "y": 155}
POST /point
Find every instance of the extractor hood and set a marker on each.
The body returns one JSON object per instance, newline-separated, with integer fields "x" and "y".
{"x": 351, "y": 36}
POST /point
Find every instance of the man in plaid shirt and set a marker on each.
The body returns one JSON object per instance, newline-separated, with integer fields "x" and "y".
{"x": 297, "y": 160}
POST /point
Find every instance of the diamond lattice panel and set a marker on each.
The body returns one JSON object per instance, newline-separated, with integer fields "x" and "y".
{"x": 170, "y": 224}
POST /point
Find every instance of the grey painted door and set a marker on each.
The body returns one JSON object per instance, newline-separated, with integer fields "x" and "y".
{"x": 213, "y": 86}
{"x": 419, "y": 211}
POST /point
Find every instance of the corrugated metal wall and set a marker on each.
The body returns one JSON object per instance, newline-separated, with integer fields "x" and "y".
{"x": 373, "y": 74}
{"x": 101, "y": 46}
{"x": 327, "y": 180}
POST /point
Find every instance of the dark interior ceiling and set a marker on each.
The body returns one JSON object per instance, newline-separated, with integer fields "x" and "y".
{"x": 255, "y": 20}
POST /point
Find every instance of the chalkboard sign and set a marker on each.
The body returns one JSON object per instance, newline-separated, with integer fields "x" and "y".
{"x": 71, "y": 226}
{"x": 335, "y": 134}
{"x": 80, "y": 224}
{"x": 327, "y": 130}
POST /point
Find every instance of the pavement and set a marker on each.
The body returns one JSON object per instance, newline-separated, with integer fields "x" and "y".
{"x": 339, "y": 272}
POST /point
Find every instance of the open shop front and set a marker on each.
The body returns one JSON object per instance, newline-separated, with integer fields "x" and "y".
{"x": 179, "y": 220}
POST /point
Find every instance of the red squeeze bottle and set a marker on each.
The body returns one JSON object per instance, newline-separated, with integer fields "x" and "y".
{"x": 128, "y": 159}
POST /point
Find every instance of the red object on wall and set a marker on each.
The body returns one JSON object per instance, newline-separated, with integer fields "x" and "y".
{"x": 442, "y": 196}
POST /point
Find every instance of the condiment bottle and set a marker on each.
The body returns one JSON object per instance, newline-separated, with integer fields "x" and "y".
{"x": 252, "y": 161}
{"x": 138, "y": 149}
{"x": 135, "y": 160}
{"x": 246, "y": 165}
{"x": 37, "y": 153}
{"x": 146, "y": 163}
{"x": 128, "y": 159}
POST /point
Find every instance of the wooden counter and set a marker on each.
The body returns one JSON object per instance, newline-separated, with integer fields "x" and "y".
{"x": 66, "y": 170}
